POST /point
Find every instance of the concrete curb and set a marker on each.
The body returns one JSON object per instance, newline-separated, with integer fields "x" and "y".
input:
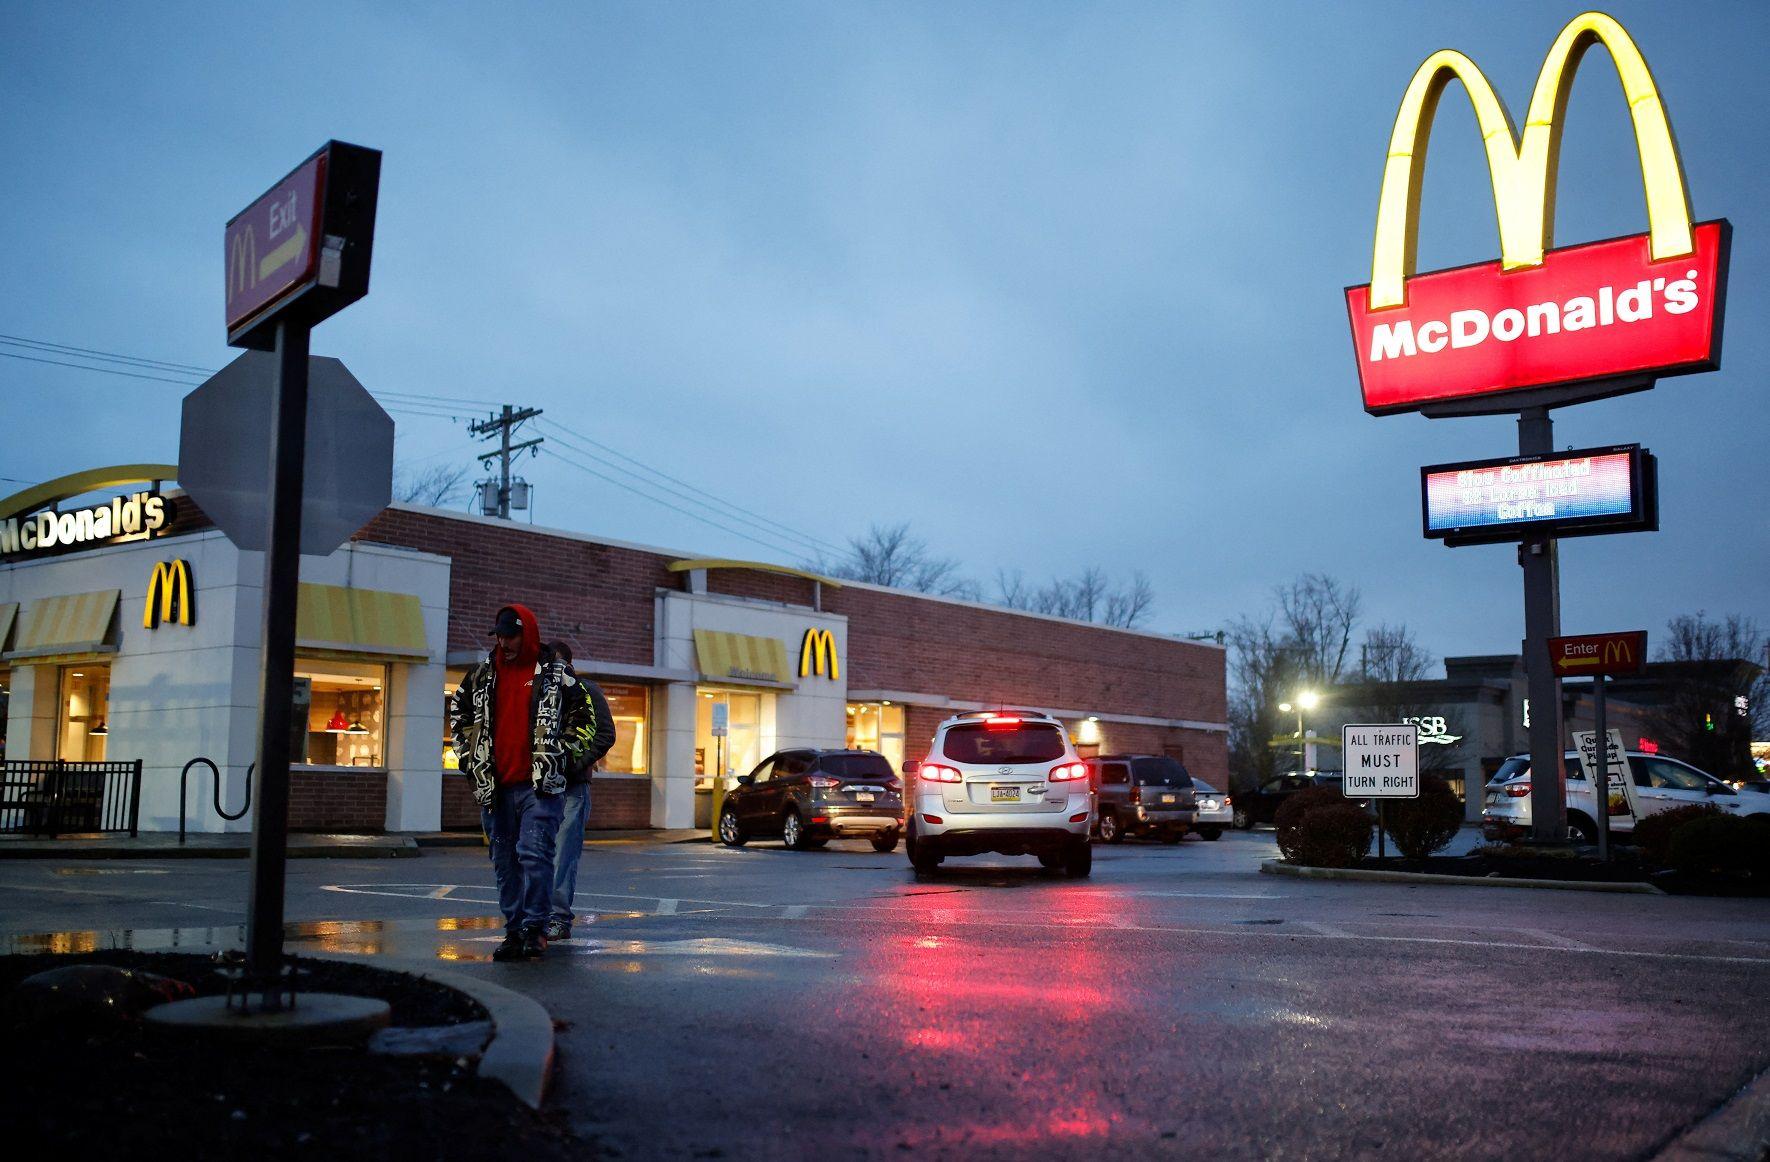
{"x": 1738, "y": 1130}
{"x": 520, "y": 1053}
{"x": 393, "y": 847}
{"x": 1273, "y": 867}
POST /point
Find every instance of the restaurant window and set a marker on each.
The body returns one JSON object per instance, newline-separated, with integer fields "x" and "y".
{"x": 345, "y": 707}
{"x": 85, "y": 705}
{"x": 631, "y": 708}
{"x": 451, "y": 682}
{"x": 5, "y": 705}
{"x": 740, "y": 749}
{"x": 877, "y": 726}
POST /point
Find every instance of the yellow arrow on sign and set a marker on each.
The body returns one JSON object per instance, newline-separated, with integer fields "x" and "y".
{"x": 283, "y": 253}
{"x": 1591, "y": 661}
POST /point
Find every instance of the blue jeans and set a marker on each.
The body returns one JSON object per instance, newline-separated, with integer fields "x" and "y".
{"x": 521, "y": 825}
{"x": 570, "y": 847}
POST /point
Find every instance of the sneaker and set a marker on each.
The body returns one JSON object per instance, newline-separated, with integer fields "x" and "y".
{"x": 558, "y": 930}
{"x": 511, "y": 949}
{"x": 534, "y": 944}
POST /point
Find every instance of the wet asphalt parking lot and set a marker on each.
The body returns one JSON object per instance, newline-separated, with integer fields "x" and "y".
{"x": 761, "y": 1003}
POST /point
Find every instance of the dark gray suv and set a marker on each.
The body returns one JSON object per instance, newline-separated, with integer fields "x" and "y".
{"x": 809, "y": 797}
{"x": 1142, "y": 794}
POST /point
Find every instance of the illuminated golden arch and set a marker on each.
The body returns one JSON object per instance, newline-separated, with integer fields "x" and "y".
{"x": 80, "y": 483}
{"x": 1523, "y": 171}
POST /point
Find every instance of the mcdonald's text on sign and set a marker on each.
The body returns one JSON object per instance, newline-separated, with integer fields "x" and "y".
{"x": 1608, "y": 654}
{"x": 302, "y": 250}
{"x": 1624, "y": 309}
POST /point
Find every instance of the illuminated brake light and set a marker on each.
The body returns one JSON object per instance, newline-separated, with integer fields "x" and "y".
{"x": 936, "y": 773}
{"x": 1068, "y": 772}
{"x": 1000, "y": 722}
{"x": 1518, "y": 790}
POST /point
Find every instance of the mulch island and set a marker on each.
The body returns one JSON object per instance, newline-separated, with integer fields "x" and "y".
{"x": 110, "y": 1087}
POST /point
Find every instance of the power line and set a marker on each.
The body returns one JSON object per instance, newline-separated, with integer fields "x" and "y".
{"x": 105, "y": 370}
{"x": 790, "y": 553}
{"x": 110, "y": 356}
{"x": 811, "y": 541}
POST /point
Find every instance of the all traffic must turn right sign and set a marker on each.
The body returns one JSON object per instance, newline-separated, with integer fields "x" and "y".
{"x": 1382, "y": 761}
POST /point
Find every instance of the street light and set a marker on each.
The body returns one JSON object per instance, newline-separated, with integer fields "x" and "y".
{"x": 1306, "y": 700}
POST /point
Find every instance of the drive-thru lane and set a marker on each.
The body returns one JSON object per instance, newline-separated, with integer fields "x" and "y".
{"x": 766, "y": 1003}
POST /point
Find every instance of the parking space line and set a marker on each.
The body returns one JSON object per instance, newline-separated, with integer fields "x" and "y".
{"x": 794, "y": 912}
{"x": 1557, "y": 941}
{"x": 1328, "y": 930}
{"x": 665, "y": 908}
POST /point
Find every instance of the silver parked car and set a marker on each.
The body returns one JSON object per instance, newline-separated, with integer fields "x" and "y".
{"x": 1005, "y": 781}
{"x": 1215, "y": 810}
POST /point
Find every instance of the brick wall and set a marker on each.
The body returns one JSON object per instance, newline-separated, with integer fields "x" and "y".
{"x": 337, "y": 800}
{"x": 615, "y": 804}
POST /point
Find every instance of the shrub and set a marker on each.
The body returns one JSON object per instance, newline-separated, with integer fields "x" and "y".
{"x": 1290, "y": 815}
{"x": 1653, "y": 835}
{"x": 1714, "y": 844}
{"x": 1427, "y": 824}
{"x": 1338, "y": 835}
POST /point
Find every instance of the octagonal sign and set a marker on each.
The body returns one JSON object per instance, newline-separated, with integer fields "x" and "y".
{"x": 224, "y": 453}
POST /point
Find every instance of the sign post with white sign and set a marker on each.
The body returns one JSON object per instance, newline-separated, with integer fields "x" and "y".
{"x": 1618, "y": 800}
{"x": 1382, "y": 762}
{"x": 721, "y": 728}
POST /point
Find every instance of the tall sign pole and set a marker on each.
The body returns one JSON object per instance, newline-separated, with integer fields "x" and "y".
{"x": 1601, "y": 656}
{"x": 1538, "y": 557}
{"x": 276, "y": 679}
{"x": 295, "y": 256}
{"x": 1540, "y": 328}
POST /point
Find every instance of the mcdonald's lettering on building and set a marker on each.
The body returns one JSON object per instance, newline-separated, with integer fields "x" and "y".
{"x": 1629, "y": 308}
{"x": 817, "y": 655}
{"x": 170, "y": 599}
{"x": 1591, "y": 655}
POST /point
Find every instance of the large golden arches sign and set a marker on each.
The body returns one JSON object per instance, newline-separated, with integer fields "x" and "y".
{"x": 1523, "y": 170}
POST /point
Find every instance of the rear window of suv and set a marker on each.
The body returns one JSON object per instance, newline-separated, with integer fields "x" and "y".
{"x": 1030, "y": 742}
{"x": 1160, "y": 773}
{"x": 855, "y": 766}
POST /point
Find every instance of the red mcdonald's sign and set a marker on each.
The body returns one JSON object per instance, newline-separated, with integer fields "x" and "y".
{"x": 1610, "y": 654}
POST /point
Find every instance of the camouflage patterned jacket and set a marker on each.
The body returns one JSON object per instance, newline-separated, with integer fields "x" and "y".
{"x": 564, "y": 721}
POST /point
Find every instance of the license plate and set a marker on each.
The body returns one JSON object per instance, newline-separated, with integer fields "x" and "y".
{"x": 1167, "y": 798}
{"x": 862, "y": 797}
{"x": 1004, "y": 794}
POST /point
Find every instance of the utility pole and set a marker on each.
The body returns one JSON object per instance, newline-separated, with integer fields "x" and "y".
{"x": 502, "y": 426}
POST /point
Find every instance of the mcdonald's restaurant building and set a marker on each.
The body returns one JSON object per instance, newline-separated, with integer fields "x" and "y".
{"x": 124, "y": 642}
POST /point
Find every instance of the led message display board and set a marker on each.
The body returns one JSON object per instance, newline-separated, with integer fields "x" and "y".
{"x": 1539, "y": 318}
{"x": 1569, "y": 494}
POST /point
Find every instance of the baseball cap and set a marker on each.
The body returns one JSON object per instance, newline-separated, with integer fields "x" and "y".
{"x": 508, "y": 624}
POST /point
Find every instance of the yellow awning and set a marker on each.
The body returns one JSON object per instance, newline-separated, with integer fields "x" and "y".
{"x": 72, "y": 623}
{"x": 8, "y": 612}
{"x": 740, "y": 656}
{"x": 360, "y": 621}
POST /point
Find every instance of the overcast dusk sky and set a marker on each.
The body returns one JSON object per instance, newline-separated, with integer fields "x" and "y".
{"x": 1059, "y": 284}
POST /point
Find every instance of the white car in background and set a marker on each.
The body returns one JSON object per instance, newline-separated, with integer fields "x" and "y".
{"x": 1215, "y": 812}
{"x": 1661, "y": 783}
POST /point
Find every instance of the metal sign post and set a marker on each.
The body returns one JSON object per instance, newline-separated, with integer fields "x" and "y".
{"x": 276, "y": 681}
{"x": 1602, "y": 655}
{"x": 1602, "y": 793}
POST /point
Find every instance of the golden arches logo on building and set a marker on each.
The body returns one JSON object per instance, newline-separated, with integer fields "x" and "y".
{"x": 1523, "y": 169}
{"x": 817, "y": 654}
{"x": 170, "y": 598}
{"x": 242, "y": 262}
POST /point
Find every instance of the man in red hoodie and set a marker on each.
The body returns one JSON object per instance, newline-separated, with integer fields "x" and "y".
{"x": 519, "y": 719}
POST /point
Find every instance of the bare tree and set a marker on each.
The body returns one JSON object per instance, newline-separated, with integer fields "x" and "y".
{"x": 889, "y": 555}
{"x": 1088, "y": 596}
{"x": 1390, "y": 654}
{"x": 1320, "y": 613}
{"x": 438, "y": 486}
{"x": 1717, "y": 696}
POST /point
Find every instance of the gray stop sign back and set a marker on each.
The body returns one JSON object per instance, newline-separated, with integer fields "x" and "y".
{"x": 224, "y": 453}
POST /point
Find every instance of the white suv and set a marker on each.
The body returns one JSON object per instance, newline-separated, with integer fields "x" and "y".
{"x": 1006, "y": 781}
{"x": 1661, "y": 783}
